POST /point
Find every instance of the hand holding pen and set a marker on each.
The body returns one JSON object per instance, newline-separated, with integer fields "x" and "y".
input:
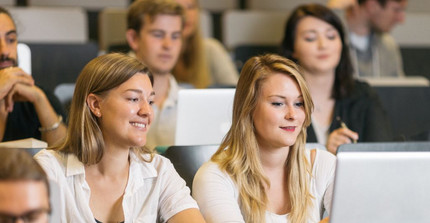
{"x": 340, "y": 136}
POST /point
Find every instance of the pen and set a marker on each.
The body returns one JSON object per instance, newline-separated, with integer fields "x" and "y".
{"x": 343, "y": 125}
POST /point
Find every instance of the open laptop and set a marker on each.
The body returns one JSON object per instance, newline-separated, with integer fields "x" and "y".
{"x": 382, "y": 182}
{"x": 204, "y": 116}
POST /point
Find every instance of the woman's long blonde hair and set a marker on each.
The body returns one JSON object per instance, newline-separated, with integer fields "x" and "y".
{"x": 238, "y": 154}
{"x": 84, "y": 138}
{"x": 194, "y": 68}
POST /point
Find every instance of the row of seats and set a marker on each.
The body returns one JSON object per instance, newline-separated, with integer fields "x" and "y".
{"x": 211, "y": 5}
{"x": 239, "y": 27}
{"x": 245, "y": 33}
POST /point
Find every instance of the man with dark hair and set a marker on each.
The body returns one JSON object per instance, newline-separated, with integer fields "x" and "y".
{"x": 24, "y": 188}
{"x": 155, "y": 36}
{"x": 373, "y": 50}
{"x": 25, "y": 109}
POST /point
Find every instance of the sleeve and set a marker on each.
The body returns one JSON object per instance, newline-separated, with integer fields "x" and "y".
{"x": 215, "y": 193}
{"x": 174, "y": 194}
{"x": 377, "y": 126}
{"x": 47, "y": 162}
{"x": 330, "y": 169}
{"x": 222, "y": 69}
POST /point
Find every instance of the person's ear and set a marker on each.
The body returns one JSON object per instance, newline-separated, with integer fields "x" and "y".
{"x": 93, "y": 103}
{"x": 132, "y": 39}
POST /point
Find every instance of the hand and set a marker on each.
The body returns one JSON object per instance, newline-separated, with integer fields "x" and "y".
{"x": 11, "y": 76}
{"x": 22, "y": 92}
{"x": 325, "y": 220}
{"x": 340, "y": 136}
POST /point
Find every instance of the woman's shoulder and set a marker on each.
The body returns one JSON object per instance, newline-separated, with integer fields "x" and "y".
{"x": 211, "y": 170}
{"x": 54, "y": 162}
{"x": 324, "y": 161}
{"x": 212, "y": 43}
{"x": 362, "y": 89}
{"x": 50, "y": 156}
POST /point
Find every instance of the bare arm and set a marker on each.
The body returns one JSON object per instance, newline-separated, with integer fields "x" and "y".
{"x": 191, "y": 215}
{"x": 45, "y": 112}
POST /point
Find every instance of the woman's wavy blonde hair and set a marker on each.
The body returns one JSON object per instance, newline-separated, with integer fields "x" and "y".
{"x": 238, "y": 154}
{"x": 84, "y": 138}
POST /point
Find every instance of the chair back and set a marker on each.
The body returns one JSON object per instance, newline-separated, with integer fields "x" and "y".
{"x": 188, "y": 159}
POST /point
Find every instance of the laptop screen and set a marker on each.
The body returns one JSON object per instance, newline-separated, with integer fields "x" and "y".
{"x": 387, "y": 184}
{"x": 204, "y": 116}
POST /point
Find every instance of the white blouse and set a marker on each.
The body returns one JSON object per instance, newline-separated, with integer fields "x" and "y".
{"x": 154, "y": 192}
{"x": 218, "y": 197}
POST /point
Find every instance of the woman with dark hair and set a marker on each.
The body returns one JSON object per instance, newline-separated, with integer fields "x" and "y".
{"x": 346, "y": 110}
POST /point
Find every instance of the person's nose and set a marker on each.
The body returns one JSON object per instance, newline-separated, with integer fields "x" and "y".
{"x": 322, "y": 42}
{"x": 4, "y": 49}
{"x": 290, "y": 113}
{"x": 145, "y": 109}
{"x": 167, "y": 42}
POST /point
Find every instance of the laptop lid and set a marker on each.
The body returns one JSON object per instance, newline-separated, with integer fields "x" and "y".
{"x": 389, "y": 184}
{"x": 204, "y": 116}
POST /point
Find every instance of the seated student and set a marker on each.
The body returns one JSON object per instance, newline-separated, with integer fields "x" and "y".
{"x": 104, "y": 171}
{"x": 24, "y": 188}
{"x": 369, "y": 23}
{"x": 346, "y": 110}
{"x": 203, "y": 61}
{"x": 25, "y": 109}
{"x": 262, "y": 171}
{"x": 155, "y": 36}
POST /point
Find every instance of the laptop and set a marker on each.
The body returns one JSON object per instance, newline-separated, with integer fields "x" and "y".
{"x": 382, "y": 182}
{"x": 203, "y": 116}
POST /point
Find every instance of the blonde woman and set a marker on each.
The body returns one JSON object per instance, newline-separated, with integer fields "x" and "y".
{"x": 104, "y": 171}
{"x": 203, "y": 62}
{"x": 262, "y": 171}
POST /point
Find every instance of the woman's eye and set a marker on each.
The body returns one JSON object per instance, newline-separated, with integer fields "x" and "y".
{"x": 277, "y": 103}
{"x": 151, "y": 102}
{"x": 309, "y": 39}
{"x": 134, "y": 99}
{"x": 299, "y": 104}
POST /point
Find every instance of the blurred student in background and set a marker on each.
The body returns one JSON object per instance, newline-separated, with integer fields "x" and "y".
{"x": 374, "y": 51}
{"x": 262, "y": 171}
{"x": 104, "y": 170}
{"x": 24, "y": 188}
{"x": 155, "y": 36}
{"x": 346, "y": 110}
{"x": 203, "y": 61}
{"x": 26, "y": 111}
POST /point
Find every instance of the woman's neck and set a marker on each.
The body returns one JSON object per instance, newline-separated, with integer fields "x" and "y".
{"x": 274, "y": 159}
{"x": 114, "y": 163}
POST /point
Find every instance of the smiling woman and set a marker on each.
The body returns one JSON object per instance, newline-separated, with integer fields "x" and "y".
{"x": 262, "y": 172}
{"x": 105, "y": 172}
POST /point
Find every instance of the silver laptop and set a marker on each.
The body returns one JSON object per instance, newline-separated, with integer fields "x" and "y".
{"x": 382, "y": 182}
{"x": 204, "y": 116}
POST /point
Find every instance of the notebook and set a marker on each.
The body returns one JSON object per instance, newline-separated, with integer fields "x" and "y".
{"x": 382, "y": 182}
{"x": 204, "y": 116}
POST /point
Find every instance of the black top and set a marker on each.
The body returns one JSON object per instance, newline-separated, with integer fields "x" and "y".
{"x": 363, "y": 113}
{"x": 23, "y": 122}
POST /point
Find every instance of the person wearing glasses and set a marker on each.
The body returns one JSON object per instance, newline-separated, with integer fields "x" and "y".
{"x": 24, "y": 188}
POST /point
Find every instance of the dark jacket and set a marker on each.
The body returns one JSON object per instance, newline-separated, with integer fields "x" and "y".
{"x": 363, "y": 113}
